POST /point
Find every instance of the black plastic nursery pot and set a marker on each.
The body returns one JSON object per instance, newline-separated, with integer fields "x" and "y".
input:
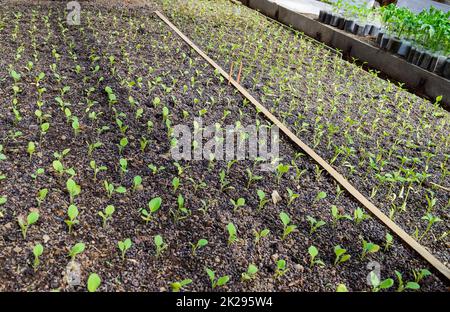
{"x": 349, "y": 26}
{"x": 437, "y": 64}
{"x": 393, "y": 44}
{"x": 379, "y": 37}
{"x": 446, "y": 71}
{"x": 335, "y": 20}
{"x": 367, "y": 29}
{"x": 404, "y": 49}
{"x": 411, "y": 54}
{"x": 425, "y": 61}
{"x": 374, "y": 31}
{"x": 341, "y": 23}
{"x": 321, "y": 16}
{"x": 385, "y": 41}
{"x": 327, "y": 19}
{"x": 417, "y": 57}
{"x": 358, "y": 29}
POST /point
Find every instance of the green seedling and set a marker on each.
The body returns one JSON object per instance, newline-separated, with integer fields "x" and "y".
{"x": 314, "y": 224}
{"x": 111, "y": 189}
{"x": 224, "y": 183}
{"x": 24, "y": 224}
{"x": 281, "y": 170}
{"x": 175, "y": 183}
{"x": 155, "y": 169}
{"x": 287, "y": 227}
{"x": 93, "y": 146}
{"x": 200, "y": 244}
{"x": 123, "y": 166}
{"x": 341, "y": 255}
{"x": 38, "y": 172}
{"x": 320, "y": 196}
{"x": 42, "y": 195}
{"x": 232, "y": 233}
{"x": 252, "y": 178}
{"x": 368, "y": 248}
{"x": 337, "y": 215}
{"x": 73, "y": 188}
{"x": 359, "y": 215}
{"x": 262, "y": 199}
{"x": 221, "y": 281}
{"x": 378, "y": 285}
{"x": 76, "y": 250}
{"x": 260, "y": 234}
{"x": 281, "y": 268}
{"x": 420, "y": 274}
{"x": 182, "y": 212}
{"x": 137, "y": 183}
{"x": 37, "y": 252}
{"x": 58, "y": 167}
{"x": 178, "y": 286}
{"x": 431, "y": 221}
{"x": 250, "y": 274}
{"x": 31, "y": 149}
{"x": 401, "y": 285}
{"x": 72, "y": 212}
{"x": 313, "y": 260}
{"x": 106, "y": 214}
{"x": 389, "y": 241}
{"x": 240, "y": 202}
{"x": 3, "y": 200}
{"x": 96, "y": 169}
{"x": 153, "y": 206}
{"x": 122, "y": 144}
{"x": 341, "y": 288}
{"x": 124, "y": 246}
{"x": 292, "y": 196}
{"x": 93, "y": 282}
{"x": 159, "y": 244}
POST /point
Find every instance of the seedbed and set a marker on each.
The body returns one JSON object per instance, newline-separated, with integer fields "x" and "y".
{"x": 124, "y": 63}
{"x": 380, "y": 137}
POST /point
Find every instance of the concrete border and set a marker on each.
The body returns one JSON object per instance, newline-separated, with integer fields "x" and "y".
{"x": 421, "y": 81}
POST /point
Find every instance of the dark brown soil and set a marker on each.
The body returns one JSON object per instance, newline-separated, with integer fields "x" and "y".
{"x": 143, "y": 46}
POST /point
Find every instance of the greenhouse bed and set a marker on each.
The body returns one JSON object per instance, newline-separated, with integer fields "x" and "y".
{"x": 417, "y": 79}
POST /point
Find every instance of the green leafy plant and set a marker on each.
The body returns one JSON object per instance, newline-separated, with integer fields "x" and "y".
{"x": 341, "y": 288}
{"x": 42, "y": 195}
{"x": 24, "y": 224}
{"x": 401, "y": 285}
{"x": 177, "y": 286}
{"x": 359, "y": 215}
{"x": 76, "y": 250}
{"x": 314, "y": 224}
{"x": 250, "y": 274}
{"x": 313, "y": 260}
{"x": 72, "y": 213}
{"x": 337, "y": 215}
{"x": 96, "y": 169}
{"x": 160, "y": 245}
{"x": 137, "y": 183}
{"x": 221, "y": 281}
{"x": 431, "y": 219}
{"x": 341, "y": 255}
{"x": 389, "y": 241}
{"x": 111, "y": 189}
{"x": 153, "y": 206}
{"x": 31, "y": 149}
{"x": 281, "y": 268}
{"x": 175, "y": 183}
{"x": 287, "y": 227}
{"x": 232, "y": 233}
{"x": 73, "y": 188}
{"x": 420, "y": 274}
{"x": 281, "y": 170}
{"x": 124, "y": 246}
{"x": 240, "y": 202}
{"x": 368, "y": 248}
{"x": 106, "y": 214}
{"x": 37, "y": 252}
{"x": 260, "y": 234}
{"x": 321, "y": 195}
{"x": 200, "y": 244}
{"x": 378, "y": 285}
{"x": 292, "y": 196}
{"x": 93, "y": 282}
{"x": 262, "y": 199}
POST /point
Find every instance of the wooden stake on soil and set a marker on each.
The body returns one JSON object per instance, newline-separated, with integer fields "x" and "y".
{"x": 239, "y": 74}
{"x": 336, "y": 175}
{"x": 231, "y": 73}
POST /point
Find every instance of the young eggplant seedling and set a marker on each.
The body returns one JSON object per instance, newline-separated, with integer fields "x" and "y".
{"x": 401, "y": 285}
{"x": 153, "y": 206}
{"x": 314, "y": 224}
{"x": 313, "y": 252}
{"x": 37, "y": 252}
{"x": 200, "y": 244}
{"x": 178, "y": 286}
{"x": 221, "y": 281}
{"x": 250, "y": 274}
{"x": 106, "y": 214}
{"x": 240, "y": 202}
{"x": 76, "y": 250}
{"x": 281, "y": 268}
{"x": 124, "y": 246}
{"x": 93, "y": 282}
{"x": 287, "y": 227}
{"x": 72, "y": 213}
{"x": 25, "y": 223}
{"x": 160, "y": 245}
{"x": 232, "y": 233}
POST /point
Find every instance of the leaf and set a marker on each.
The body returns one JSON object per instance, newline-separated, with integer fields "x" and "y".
{"x": 93, "y": 282}
{"x": 158, "y": 240}
{"x": 231, "y": 229}
{"x": 313, "y": 252}
{"x": 223, "y": 280}
{"x": 185, "y": 282}
{"x": 109, "y": 210}
{"x": 341, "y": 288}
{"x": 127, "y": 243}
{"x": 412, "y": 285}
{"x": 261, "y": 194}
{"x": 32, "y": 218}
{"x": 72, "y": 212}
{"x": 202, "y": 242}
{"x": 387, "y": 283}
{"x": 241, "y": 202}
{"x": 211, "y": 274}
{"x": 38, "y": 250}
{"x": 321, "y": 195}
{"x": 281, "y": 264}
{"x": 77, "y": 249}
{"x": 3, "y": 200}
{"x": 154, "y": 204}
{"x": 252, "y": 269}
{"x": 121, "y": 190}
{"x": 284, "y": 218}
